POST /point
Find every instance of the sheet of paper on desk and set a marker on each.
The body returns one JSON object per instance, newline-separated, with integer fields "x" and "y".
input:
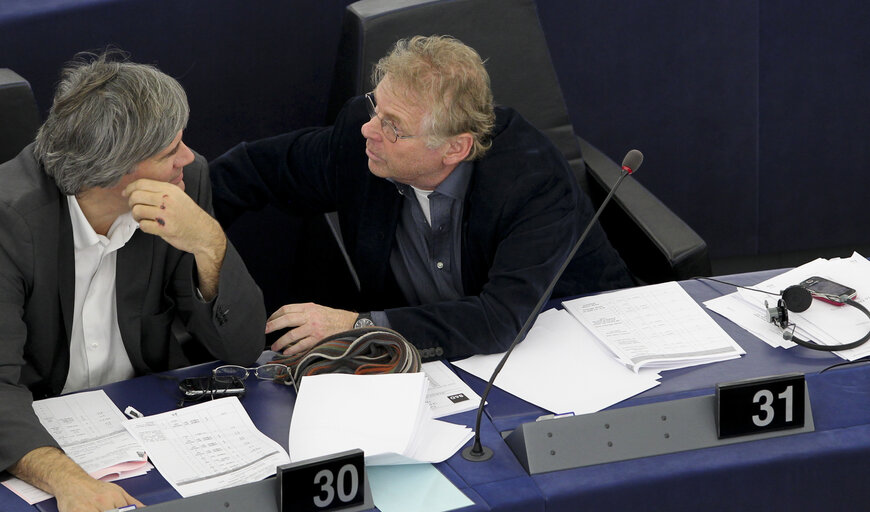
{"x": 754, "y": 319}
{"x": 823, "y": 323}
{"x": 209, "y": 446}
{"x": 421, "y": 488}
{"x": 384, "y": 415}
{"x": 562, "y": 368}
{"x": 658, "y": 326}
{"x": 447, "y": 393}
{"x": 88, "y": 426}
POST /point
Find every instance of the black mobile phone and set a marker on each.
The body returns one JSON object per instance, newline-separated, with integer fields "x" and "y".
{"x": 196, "y": 387}
{"x": 828, "y": 291}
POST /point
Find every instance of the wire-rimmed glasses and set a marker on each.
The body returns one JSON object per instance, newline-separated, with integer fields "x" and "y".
{"x": 269, "y": 371}
{"x": 387, "y": 127}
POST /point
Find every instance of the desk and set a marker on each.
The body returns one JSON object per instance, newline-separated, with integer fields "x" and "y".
{"x": 270, "y": 407}
{"x": 822, "y": 470}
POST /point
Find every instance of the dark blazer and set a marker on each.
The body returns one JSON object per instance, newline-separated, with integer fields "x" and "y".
{"x": 154, "y": 283}
{"x": 522, "y": 214}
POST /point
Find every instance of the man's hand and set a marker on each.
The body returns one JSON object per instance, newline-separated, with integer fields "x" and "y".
{"x": 165, "y": 210}
{"x": 76, "y": 491}
{"x": 308, "y": 323}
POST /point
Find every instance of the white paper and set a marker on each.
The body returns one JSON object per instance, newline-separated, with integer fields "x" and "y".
{"x": 562, "y": 368}
{"x": 88, "y": 427}
{"x": 448, "y": 394}
{"x": 658, "y": 326}
{"x": 822, "y": 323}
{"x": 384, "y": 415}
{"x": 752, "y": 318}
{"x": 418, "y": 488}
{"x": 208, "y": 446}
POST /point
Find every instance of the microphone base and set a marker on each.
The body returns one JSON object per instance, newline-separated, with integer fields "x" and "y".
{"x": 476, "y": 457}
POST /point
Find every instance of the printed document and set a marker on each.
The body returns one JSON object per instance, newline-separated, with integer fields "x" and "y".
{"x": 658, "y": 326}
{"x": 562, "y": 368}
{"x": 209, "y": 446}
{"x": 88, "y": 426}
{"x": 447, "y": 394}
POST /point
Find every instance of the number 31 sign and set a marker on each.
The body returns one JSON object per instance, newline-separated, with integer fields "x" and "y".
{"x": 760, "y": 405}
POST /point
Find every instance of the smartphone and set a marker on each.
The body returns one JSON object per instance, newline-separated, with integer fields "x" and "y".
{"x": 828, "y": 291}
{"x": 196, "y": 387}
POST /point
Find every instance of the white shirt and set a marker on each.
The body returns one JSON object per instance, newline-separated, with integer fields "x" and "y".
{"x": 97, "y": 353}
{"x": 423, "y": 199}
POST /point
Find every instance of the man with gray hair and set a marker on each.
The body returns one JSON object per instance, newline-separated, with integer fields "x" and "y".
{"x": 455, "y": 214}
{"x": 105, "y": 239}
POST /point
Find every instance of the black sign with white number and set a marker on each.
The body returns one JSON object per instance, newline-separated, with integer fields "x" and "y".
{"x": 760, "y": 405}
{"x": 334, "y": 482}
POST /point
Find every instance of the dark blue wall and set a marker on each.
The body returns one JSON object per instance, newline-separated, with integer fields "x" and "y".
{"x": 751, "y": 114}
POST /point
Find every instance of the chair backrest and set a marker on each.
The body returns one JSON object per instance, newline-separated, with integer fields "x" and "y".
{"x": 508, "y": 35}
{"x": 19, "y": 114}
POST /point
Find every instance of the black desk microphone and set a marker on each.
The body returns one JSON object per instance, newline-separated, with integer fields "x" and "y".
{"x": 477, "y": 452}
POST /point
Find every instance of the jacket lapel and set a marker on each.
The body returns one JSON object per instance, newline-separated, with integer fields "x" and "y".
{"x": 66, "y": 266}
{"x": 131, "y": 281}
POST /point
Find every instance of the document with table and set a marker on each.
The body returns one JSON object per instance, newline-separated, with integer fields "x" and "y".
{"x": 88, "y": 427}
{"x": 605, "y": 348}
{"x": 209, "y": 446}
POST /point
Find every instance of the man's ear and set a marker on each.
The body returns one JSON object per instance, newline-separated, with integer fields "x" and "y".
{"x": 458, "y": 148}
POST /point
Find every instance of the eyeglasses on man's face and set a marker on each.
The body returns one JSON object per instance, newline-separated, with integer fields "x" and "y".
{"x": 387, "y": 127}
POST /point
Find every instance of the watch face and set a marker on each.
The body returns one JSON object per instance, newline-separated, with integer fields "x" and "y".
{"x": 363, "y": 322}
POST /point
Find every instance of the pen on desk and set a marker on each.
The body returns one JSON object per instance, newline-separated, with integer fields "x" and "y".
{"x": 132, "y": 414}
{"x": 123, "y": 509}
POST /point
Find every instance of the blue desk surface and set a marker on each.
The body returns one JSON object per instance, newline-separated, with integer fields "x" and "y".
{"x": 814, "y": 471}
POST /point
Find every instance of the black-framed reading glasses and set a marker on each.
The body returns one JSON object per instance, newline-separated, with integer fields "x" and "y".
{"x": 387, "y": 127}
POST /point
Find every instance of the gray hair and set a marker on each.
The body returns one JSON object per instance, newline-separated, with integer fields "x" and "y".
{"x": 107, "y": 116}
{"x": 449, "y": 79}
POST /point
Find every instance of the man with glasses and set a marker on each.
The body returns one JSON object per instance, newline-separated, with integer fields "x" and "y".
{"x": 455, "y": 214}
{"x": 105, "y": 239}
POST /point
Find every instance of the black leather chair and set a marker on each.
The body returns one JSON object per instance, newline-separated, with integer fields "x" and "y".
{"x": 655, "y": 243}
{"x": 18, "y": 112}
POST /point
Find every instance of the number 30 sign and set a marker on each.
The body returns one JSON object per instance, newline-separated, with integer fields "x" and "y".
{"x": 335, "y": 482}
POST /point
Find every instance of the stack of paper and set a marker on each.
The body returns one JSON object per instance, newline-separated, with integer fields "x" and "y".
{"x": 822, "y": 323}
{"x": 562, "y": 368}
{"x": 384, "y": 415}
{"x": 88, "y": 428}
{"x": 658, "y": 326}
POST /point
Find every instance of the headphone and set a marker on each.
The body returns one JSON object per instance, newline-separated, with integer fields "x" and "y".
{"x": 795, "y": 298}
{"x": 798, "y": 299}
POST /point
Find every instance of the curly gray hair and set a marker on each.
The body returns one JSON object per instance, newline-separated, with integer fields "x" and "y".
{"x": 449, "y": 78}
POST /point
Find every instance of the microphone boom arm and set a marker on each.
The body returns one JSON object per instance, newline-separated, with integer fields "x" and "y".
{"x": 477, "y": 452}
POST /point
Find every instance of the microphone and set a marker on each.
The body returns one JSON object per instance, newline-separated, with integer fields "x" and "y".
{"x": 477, "y": 452}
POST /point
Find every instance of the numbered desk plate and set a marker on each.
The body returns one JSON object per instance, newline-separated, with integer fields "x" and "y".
{"x": 329, "y": 483}
{"x": 629, "y": 433}
{"x": 761, "y": 405}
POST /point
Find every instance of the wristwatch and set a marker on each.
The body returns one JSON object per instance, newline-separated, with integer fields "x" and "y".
{"x": 363, "y": 320}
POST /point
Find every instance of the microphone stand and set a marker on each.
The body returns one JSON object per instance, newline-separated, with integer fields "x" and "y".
{"x": 477, "y": 452}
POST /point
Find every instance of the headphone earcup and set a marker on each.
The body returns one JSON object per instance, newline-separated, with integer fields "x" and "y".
{"x": 797, "y": 298}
